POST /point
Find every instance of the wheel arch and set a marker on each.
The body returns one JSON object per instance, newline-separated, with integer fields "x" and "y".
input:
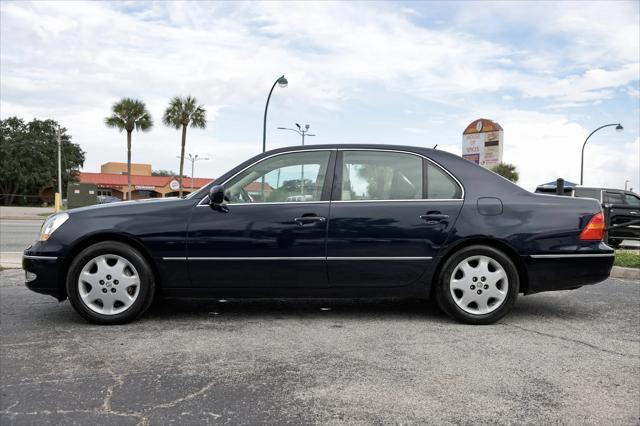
{"x": 99, "y": 238}
{"x": 509, "y": 251}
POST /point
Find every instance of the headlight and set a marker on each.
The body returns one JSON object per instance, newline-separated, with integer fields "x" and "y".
{"x": 51, "y": 224}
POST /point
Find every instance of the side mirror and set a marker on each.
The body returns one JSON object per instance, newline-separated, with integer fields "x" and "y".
{"x": 216, "y": 195}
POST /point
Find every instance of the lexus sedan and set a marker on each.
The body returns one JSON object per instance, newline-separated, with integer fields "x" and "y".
{"x": 326, "y": 221}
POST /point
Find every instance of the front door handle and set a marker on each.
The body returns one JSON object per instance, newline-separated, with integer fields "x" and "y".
{"x": 301, "y": 221}
{"x": 434, "y": 218}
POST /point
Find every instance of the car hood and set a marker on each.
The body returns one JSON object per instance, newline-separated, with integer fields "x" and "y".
{"x": 149, "y": 204}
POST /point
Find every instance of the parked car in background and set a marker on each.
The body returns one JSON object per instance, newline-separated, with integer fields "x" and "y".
{"x": 105, "y": 199}
{"x": 621, "y": 208}
{"x": 339, "y": 221}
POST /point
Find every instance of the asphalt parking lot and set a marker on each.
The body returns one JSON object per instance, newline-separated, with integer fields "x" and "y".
{"x": 570, "y": 357}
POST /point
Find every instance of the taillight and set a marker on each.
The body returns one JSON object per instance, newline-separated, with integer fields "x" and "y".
{"x": 594, "y": 231}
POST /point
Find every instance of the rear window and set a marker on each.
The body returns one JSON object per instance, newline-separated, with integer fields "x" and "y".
{"x": 588, "y": 193}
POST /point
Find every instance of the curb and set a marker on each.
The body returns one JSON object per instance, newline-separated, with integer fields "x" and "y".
{"x": 625, "y": 273}
{"x": 42, "y": 218}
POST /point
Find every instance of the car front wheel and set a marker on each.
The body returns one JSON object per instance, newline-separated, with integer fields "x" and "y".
{"x": 110, "y": 283}
{"x": 478, "y": 285}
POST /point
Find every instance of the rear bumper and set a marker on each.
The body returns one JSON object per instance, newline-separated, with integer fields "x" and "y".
{"x": 547, "y": 272}
{"x": 43, "y": 274}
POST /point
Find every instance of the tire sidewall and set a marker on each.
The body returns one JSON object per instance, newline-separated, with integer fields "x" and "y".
{"x": 146, "y": 291}
{"x": 448, "y": 304}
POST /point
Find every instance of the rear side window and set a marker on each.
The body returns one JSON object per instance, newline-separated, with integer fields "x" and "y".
{"x": 613, "y": 197}
{"x": 377, "y": 175}
{"x": 440, "y": 185}
{"x": 588, "y": 193}
{"x": 632, "y": 201}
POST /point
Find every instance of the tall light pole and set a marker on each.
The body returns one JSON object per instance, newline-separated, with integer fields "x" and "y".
{"x": 59, "y": 201}
{"x": 193, "y": 159}
{"x": 282, "y": 82}
{"x": 618, "y": 129}
{"x": 302, "y": 131}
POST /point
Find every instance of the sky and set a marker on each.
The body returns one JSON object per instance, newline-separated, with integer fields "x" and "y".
{"x": 403, "y": 73}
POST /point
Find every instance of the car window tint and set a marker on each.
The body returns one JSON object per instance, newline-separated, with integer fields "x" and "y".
{"x": 614, "y": 197}
{"x": 283, "y": 178}
{"x": 588, "y": 193}
{"x": 632, "y": 200}
{"x": 440, "y": 185}
{"x": 371, "y": 175}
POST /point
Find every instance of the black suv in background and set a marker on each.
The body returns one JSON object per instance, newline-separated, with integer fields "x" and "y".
{"x": 619, "y": 207}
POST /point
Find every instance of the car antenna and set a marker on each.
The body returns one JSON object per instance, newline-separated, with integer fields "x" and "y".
{"x": 435, "y": 146}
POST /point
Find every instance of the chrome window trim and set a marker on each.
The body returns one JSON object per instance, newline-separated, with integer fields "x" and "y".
{"x": 202, "y": 203}
{"x": 301, "y": 258}
{"x": 31, "y": 256}
{"x": 569, "y": 255}
{"x": 435, "y": 163}
{"x": 206, "y": 197}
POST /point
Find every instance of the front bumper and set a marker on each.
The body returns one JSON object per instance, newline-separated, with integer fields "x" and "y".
{"x": 44, "y": 274}
{"x": 563, "y": 271}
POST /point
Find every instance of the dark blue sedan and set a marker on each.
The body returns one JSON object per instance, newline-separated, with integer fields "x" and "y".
{"x": 326, "y": 221}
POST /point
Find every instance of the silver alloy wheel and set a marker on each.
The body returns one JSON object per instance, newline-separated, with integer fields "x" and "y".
{"x": 108, "y": 284}
{"x": 479, "y": 285}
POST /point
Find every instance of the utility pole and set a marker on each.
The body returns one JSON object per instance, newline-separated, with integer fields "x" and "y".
{"x": 58, "y": 199}
{"x": 302, "y": 131}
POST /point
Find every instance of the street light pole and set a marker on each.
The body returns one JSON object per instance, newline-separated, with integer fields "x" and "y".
{"x": 193, "y": 159}
{"x": 302, "y": 131}
{"x": 57, "y": 205}
{"x": 282, "y": 82}
{"x": 618, "y": 129}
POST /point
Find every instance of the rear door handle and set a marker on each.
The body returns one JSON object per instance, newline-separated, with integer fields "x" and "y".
{"x": 434, "y": 218}
{"x": 309, "y": 219}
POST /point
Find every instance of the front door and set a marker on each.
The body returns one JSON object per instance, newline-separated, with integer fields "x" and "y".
{"x": 273, "y": 230}
{"x": 391, "y": 212}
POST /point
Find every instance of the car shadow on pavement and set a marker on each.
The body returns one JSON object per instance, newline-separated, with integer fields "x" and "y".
{"x": 405, "y": 309}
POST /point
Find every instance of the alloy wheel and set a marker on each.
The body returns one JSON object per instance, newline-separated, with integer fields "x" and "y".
{"x": 479, "y": 285}
{"x": 108, "y": 284}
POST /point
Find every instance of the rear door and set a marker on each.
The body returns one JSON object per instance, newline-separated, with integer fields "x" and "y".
{"x": 391, "y": 212}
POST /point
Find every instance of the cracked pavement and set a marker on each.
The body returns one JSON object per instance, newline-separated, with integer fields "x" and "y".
{"x": 565, "y": 357}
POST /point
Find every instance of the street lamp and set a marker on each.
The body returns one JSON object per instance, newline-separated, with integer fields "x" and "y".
{"x": 193, "y": 159}
{"x": 302, "y": 131}
{"x": 618, "y": 129}
{"x": 282, "y": 82}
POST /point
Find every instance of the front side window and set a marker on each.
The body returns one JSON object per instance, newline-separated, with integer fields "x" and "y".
{"x": 292, "y": 177}
{"x": 372, "y": 175}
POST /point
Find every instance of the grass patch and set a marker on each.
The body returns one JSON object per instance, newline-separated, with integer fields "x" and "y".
{"x": 627, "y": 259}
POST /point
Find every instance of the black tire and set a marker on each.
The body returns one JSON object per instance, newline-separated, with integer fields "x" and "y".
{"x": 443, "y": 292}
{"x": 614, "y": 243}
{"x": 146, "y": 290}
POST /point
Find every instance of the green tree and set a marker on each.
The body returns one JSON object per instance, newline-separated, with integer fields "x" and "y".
{"x": 163, "y": 172}
{"x": 27, "y": 151}
{"x": 181, "y": 113}
{"x": 129, "y": 114}
{"x": 506, "y": 170}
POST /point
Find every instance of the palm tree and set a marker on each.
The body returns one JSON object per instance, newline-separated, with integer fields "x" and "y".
{"x": 506, "y": 170}
{"x": 183, "y": 112}
{"x": 129, "y": 114}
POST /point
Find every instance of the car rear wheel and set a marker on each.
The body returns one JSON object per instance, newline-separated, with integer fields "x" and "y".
{"x": 110, "y": 283}
{"x": 478, "y": 285}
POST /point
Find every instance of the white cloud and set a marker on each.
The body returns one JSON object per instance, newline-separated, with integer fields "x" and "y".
{"x": 71, "y": 61}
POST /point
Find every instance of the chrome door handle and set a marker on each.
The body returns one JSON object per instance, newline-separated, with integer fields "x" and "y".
{"x": 301, "y": 221}
{"x": 434, "y": 218}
